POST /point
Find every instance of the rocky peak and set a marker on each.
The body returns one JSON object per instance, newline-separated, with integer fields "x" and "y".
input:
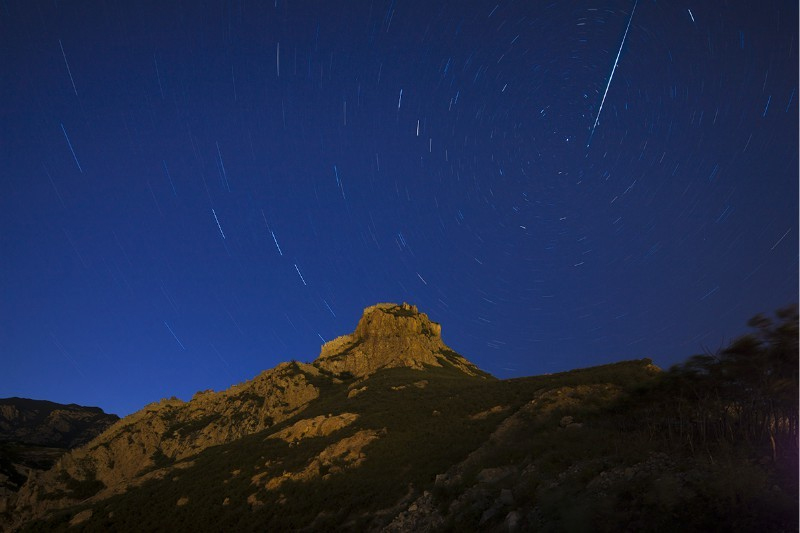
{"x": 392, "y": 320}
{"x": 391, "y": 335}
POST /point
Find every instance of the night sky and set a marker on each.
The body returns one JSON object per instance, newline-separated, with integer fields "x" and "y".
{"x": 194, "y": 192}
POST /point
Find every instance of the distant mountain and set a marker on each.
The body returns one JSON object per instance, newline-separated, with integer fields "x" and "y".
{"x": 44, "y": 423}
{"x": 391, "y": 430}
{"x": 35, "y": 433}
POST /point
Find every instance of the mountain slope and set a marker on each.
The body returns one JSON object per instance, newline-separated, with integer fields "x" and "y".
{"x": 389, "y": 430}
{"x": 384, "y": 448}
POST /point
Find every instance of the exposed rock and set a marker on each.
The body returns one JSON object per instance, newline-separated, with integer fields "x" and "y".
{"x": 421, "y": 516}
{"x": 81, "y": 517}
{"x": 253, "y": 501}
{"x": 389, "y": 336}
{"x": 355, "y": 392}
{"x": 483, "y": 415}
{"x": 319, "y": 426}
{"x": 183, "y": 500}
{"x": 342, "y": 455}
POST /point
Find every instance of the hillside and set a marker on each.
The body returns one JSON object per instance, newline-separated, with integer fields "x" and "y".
{"x": 390, "y": 430}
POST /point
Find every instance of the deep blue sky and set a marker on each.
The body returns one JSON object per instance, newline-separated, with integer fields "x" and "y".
{"x": 194, "y": 192}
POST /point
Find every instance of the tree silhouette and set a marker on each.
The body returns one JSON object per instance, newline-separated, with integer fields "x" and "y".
{"x": 747, "y": 392}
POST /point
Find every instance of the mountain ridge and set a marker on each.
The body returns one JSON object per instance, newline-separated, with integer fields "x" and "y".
{"x": 389, "y": 430}
{"x": 390, "y": 335}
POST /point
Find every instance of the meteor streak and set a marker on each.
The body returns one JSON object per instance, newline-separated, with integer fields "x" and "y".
{"x": 616, "y": 61}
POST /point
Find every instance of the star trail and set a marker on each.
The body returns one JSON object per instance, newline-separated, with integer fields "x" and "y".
{"x": 193, "y": 193}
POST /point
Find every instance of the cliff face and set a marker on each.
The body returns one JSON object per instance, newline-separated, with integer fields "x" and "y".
{"x": 390, "y": 336}
{"x": 387, "y": 336}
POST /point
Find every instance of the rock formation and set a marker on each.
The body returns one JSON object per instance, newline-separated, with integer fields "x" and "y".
{"x": 387, "y": 336}
{"x": 342, "y": 455}
{"x": 319, "y": 426}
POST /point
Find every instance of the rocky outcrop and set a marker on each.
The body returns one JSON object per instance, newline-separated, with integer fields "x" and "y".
{"x": 319, "y": 426}
{"x": 345, "y": 454}
{"x": 390, "y": 336}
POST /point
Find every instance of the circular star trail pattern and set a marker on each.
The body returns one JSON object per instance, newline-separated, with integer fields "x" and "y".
{"x": 193, "y": 193}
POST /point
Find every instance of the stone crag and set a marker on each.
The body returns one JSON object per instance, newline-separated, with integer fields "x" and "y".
{"x": 389, "y": 336}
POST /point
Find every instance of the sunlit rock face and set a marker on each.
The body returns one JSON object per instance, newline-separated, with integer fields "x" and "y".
{"x": 388, "y": 336}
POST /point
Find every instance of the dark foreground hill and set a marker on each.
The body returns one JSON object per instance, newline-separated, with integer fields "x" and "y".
{"x": 390, "y": 430}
